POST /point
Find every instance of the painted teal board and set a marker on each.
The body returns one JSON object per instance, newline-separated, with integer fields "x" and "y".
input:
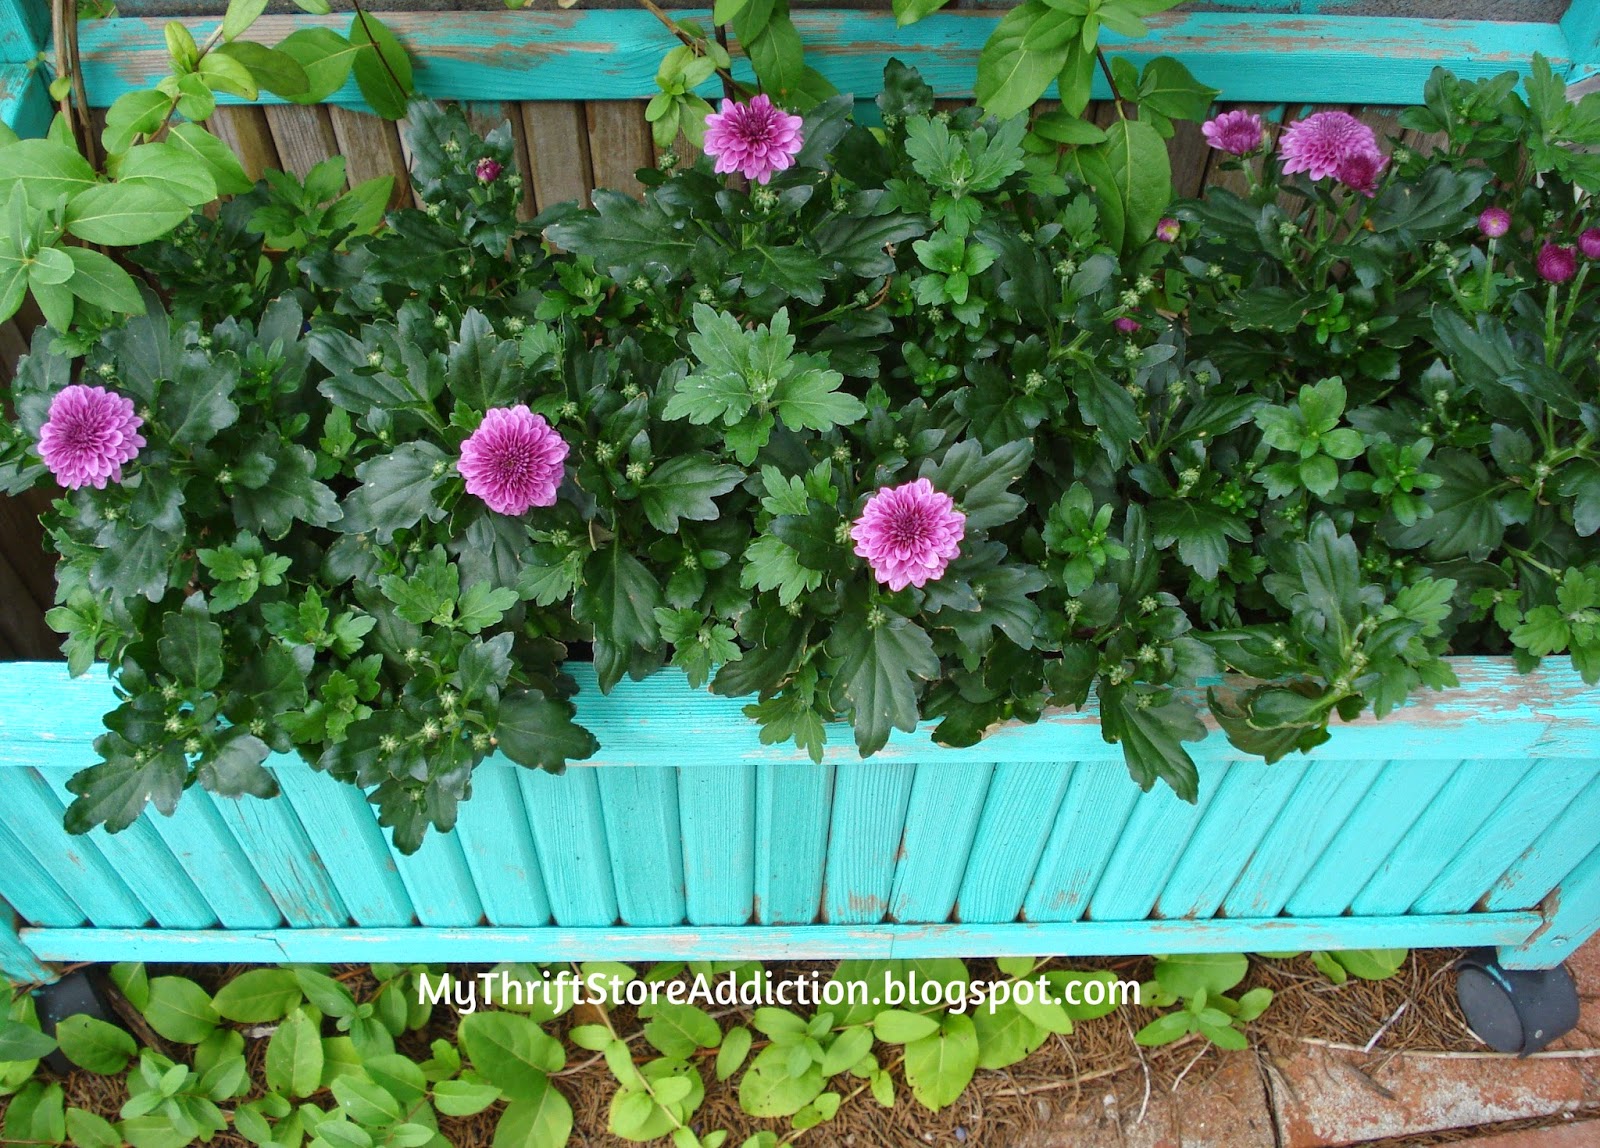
{"x": 570, "y": 839}
{"x": 1469, "y": 800}
{"x": 348, "y": 843}
{"x": 1559, "y": 850}
{"x": 272, "y": 837}
{"x": 1244, "y": 809}
{"x": 208, "y": 854}
{"x": 1395, "y": 801}
{"x": 1495, "y": 714}
{"x": 717, "y": 819}
{"x": 144, "y": 862}
{"x": 1018, "y": 815}
{"x": 614, "y": 54}
{"x": 29, "y": 889}
{"x": 640, "y": 807}
{"x": 1581, "y": 26}
{"x": 34, "y": 816}
{"x": 24, "y": 28}
{"x": 941, "y": 822}
{"x": 17, "y": 962}
{"x": 794, "y": 803}
{"x": 1100, "y": 799}
{"x": 1545, "y": 790}
{"x": 24, "y": 101}
{"x": 1153, "y": 840}
{"x": 438, "y": 881}
{"x": 1573, "y": 920}
{"x": 493, "y": 830}
{"x": 869, "y": 816}
{"x": 807, "y": 942}
{"x": 1313, "y": 815}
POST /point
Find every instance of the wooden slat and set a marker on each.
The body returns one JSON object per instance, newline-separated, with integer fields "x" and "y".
{"x": 1559, "y": 849}
{"x": 570, "y": 837}
{"x": 645, "y": 843}
{"x": 814, "y": 942}
{"x": 34, "y": 815}
{"x": 17, "y": 962}
{"x": 218, "y": 867}
{"x": 869, "y": 815}
{"x": 615, "y": 54}
{"x": 272, "y": 837}
{"x": 558, "y": 152}
{"x": 717, "y": 822}
{"x": 1573, "y": 916}
{"x": 1152, "y": 842}
{"x": 245, "y": 130}
{"x": 349, "y": 844}
{"x": 30, "y": 889}
{"x": 1018, "y": 815}
{"x": 438, "y": 881}
{"x": 619, "y": 144}
{"x": 303, "y": 136}
{"x": 1468, "y": 801}
{"x": 794, "y": 803}
{"x": 493, "y": 829}
{"x": 371, "y": 148}
{"x": 941, "y": 822}
{"x": 1246, "y": 806}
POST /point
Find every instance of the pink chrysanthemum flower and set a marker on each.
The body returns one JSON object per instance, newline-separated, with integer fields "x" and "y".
{"x": 908, "y": 534}
{"x": 89, "y": 434}
{"x": 1321, "y": 142}
{"x": 1589, "y": 243}
{"x": 513, "y": 461}
{"x": 1494, "y": 222}
{"x": 1237, "y": 132}
{"x": 1556, "y": 264}
{"x": 1167, "y": 230}
{"x": 1360, "y": 172}
{"x": 1126, "y": 325}
{"x": 488, "y": 169}
{"x": 756, "y": 139}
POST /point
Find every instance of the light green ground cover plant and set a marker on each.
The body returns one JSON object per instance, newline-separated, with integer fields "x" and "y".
{"x": 294, "y": 1057}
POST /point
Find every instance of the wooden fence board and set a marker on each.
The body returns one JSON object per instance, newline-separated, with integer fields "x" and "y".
{"x": 303, "y": 136}
{"x": 557, "y": 135}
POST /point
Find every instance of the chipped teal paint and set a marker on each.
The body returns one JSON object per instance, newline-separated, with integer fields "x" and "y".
{"x": 1261, "y": 56}
{"x": 1469, "y": 817}
{"x": 24, "y": 100}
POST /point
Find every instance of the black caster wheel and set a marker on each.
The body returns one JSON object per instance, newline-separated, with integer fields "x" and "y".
{"x": 72, "y": 994}
{"x": 1515, "y": 1010}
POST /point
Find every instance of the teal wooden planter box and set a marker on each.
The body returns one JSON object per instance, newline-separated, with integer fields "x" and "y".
{"x": 1469, "y": 818}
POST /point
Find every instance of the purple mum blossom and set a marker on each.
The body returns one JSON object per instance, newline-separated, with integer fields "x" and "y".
{"x": 908, "y": 534}
{"x": 1494, "y": 222}
{"x": 88, "y": 435}
{"x": 1126, "y": 325}
{"x": 755, "y": 139}
{"x": 1360, "y": 172}
{"x": 513, "y": 461}
{"x": 1556, "y": 264}
{"x": 1589, "y": 243}
{"x": 1321, "y": 143}
{"x": 1167, "y": 230}
{"x": 1237, "y": 132}
{"x": 488, "y": 170}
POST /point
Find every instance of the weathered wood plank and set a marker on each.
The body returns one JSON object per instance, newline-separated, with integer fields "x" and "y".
{"x": 1495, "y": 714}
{"x": 493, "y": 828}
{"x": 371, "y": 148}
{"x": 869, "y": 816}
{"x": 303, "y": 136}
{"x": 276, "y": 843}
{"x": 558, "y": 152}
{"x": 619, "y": 144}
{"x": 17, "y": 962}
{"x": 1547, "y": 788}
{"x": 570, "y": 838}
{"x": 438, "y": 881}
{"x": 1468, "y": 801}
{"x": 34, "y": 815}
{"x": 794, "y": 804}
{"x": 814, "y": 942}
{"x": 28, "y": 887}
{"x": 339, "y": 823}
{"x": 614, "y": 54}
{"x": 717, "y": 822}
{"x": 1559, "y": 850}
{"x": 245, "y": 130}
{"x": 1245, "y": 807}
{"x": 941, "y": 821}
{"x": 640, "y": 807}
{"x": 1099, "y": 801}
{"x": 1018, "y": 816}
{"x": 1572, "y": 914}
{"x": 1153, "y": 840}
